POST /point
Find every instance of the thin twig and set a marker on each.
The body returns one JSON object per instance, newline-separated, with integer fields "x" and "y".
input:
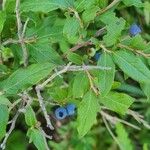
{"x": 134, "y": 50}
{"x": 80, "y": 45}
{"x": 42, "y": 105}
{"x": 91, "y": 83}
{"x": 110, "y": 132}
{"x": 115, "y": 120}
{"x": 40, "y": 98}
{"x": 13, "y": 123}
{"x": 108, "y": 7}
{"x": 84, "y": 67}
{"x": 24, "y": 27}
{"x": 19, "y": 26}
{"x": 65, "y": 69}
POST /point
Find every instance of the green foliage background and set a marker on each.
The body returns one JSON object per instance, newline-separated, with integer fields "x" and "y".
{"x": 46, "y": 60}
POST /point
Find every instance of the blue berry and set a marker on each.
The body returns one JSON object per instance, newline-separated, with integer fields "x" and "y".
{"x": 60, "y": 113}
{"x": 70, "y": 109}
{"x": 97, "y": 56}
{"x": 135, "y": 29}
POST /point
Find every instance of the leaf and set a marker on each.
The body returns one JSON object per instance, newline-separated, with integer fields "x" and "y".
{"x": 75, "y": 58}
{"x": 45, "y": 5}
{"x": 114, "y": 30}
{"x": 89, "y": 14}
{"x": 24, "y": 78}
{"x": 137, "y": 3}
{"x": 87, "y": 113}
{"x": 30, "y": 117}
{"x": 4, "y": 116}
{"x": 43, "y": 52}
{"x": 146, "y": 90}
{"x": 37, "y": 138}
{"x": 71, "y": 29}
{"x": 108, "y": 17}
{"x": 132, "y": 66}
{"x": 136, "y": 42}
{"x": 122, "y": 136}
{"x": 4, "y": 100}
{"x": 80, "y": 85}
{"x": 117, "y": 102}
{"x": 106, "y": 77}
{"x": 2, "y": 20}
{"x": 147, "y": 12}
{"x": 18, "y": 139}
{"x": 81, "y": 5}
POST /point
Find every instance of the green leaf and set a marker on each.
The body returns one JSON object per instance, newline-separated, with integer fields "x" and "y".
{"x": 146, "y": 90}
{"x": 106, "y": 77}
{"x": 43, "y": 52}
{"x": 80, "y": 85}
{"x": 71, "y": 29}
{"x": 81, "y": 5}
{"x": 4, "y": 100}
{"x": 45, "y": 5}
{"x": 75, "y": 58}
{"x": 137, "y": 3}
{"x": 18, "y": 139}
{"x": 114, "y": 30}
{"x": 2, "y": 20}
{"x": 87, "y": 113}
{"x": 30, "y": 117}
{"x": 37, "y": 138}
{"x": 122, "y": 136}
{"x": 108, "y": 17}
{"x": 147, "y": 12}
{"x": 89, "y": 14}
{"x": 136, "y": 42}
{"x": 132, "y": 66}
{"x": 24, "y": 78}
{"x": 4, "y": 116}
{"x": 117, "y": 102}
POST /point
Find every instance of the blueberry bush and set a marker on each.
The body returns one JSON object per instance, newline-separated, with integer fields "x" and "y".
{"x": 75, "y": 74}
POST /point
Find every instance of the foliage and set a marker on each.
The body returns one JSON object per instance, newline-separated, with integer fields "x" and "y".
{"x": 87, "y": 58}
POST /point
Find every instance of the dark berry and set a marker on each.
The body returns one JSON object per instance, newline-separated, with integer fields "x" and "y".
{"x": 70, "y": 109}
{"x": 135, "y": 29}
{"x": 97, "y": 56}
{"x": 60, "y": 113}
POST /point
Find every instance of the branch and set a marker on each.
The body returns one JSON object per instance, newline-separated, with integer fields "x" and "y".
{"x": 20, "y": 35}
{"x": 108, "y": 7}
{"x": 95, "y": 90}
{"x": 110, "y": 132}
{"x": 134, "y": 50}
{"x": 12, "y": 127}
{"x": 115, "y": 120}
{"x": 42, "y": 105}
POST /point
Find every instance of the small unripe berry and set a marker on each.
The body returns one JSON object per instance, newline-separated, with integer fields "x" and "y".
{"x": 60, "y": 113}
{"x": 70, "y": 109}
{"x": 134, "y": 30}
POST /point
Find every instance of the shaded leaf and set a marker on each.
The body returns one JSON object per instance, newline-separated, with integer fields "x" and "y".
{"x": 117, "y": 102}
{"x": 45, "y": 5}
{"x": 2, "y": 20}
{"x": 4, "y": 116}
{"x": 132, "y": 66}
{"x": 80, "y": 85}
{"x": 30, "y": 117}
{"x": 87, "y": 113}
{"x": 106, "y": 77}
{"x": 122, "y": 136}
{"x": 37, "y": 138}
{"x": 24, "y": 78}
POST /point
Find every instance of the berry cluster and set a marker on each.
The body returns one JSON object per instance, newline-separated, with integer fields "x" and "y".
{"x": 63, "y": 112}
